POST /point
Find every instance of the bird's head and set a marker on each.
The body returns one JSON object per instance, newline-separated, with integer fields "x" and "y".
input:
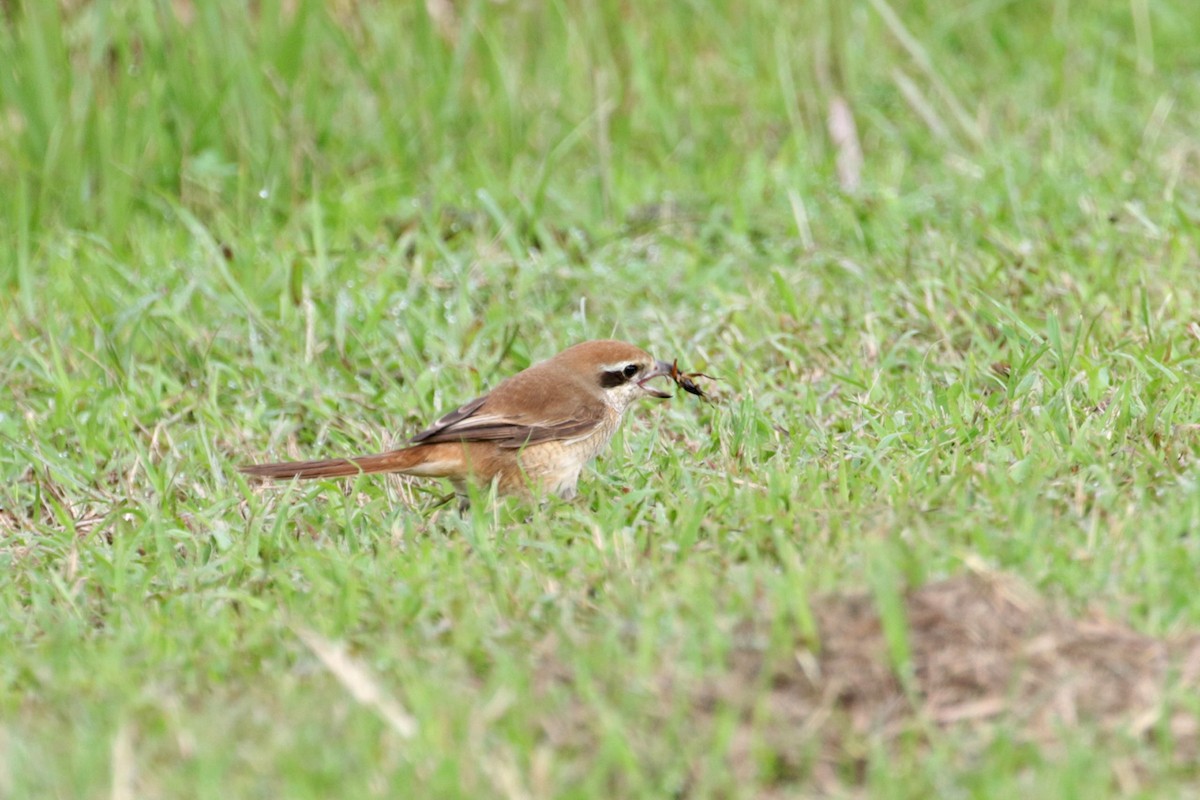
{"x": 618, "y": 371}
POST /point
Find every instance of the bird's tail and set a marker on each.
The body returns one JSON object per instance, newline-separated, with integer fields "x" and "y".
{"x": 393, "y": 461}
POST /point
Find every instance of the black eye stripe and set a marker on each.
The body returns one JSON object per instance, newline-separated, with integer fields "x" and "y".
{"x": 608, "y": 380}
{"x": 616, "y": 377}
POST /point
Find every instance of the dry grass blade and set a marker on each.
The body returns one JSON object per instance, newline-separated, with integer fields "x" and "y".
{"x": 124, "y": 767}
{"x": 844, "y": 132}
{"x": 359, "y": 681}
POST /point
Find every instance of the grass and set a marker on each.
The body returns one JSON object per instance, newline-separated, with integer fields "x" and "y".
{"x": 306, "y": 231}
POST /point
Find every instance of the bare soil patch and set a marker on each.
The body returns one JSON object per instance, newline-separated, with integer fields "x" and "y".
{"x": 986, "y": 653}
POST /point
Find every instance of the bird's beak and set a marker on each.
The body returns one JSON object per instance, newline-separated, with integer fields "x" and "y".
{"x": 661, "y": 369}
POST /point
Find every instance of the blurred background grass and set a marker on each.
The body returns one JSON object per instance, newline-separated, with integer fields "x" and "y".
{"x": 580, "y": 110}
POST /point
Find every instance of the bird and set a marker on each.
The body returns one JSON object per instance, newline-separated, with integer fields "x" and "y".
{"x": 531, "y": 435}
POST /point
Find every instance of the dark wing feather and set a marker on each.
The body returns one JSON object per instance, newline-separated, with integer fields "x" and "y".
{"x": 455, "y": 417}
{"x": 521, "y": 435}
{"x": 494, "y": 418}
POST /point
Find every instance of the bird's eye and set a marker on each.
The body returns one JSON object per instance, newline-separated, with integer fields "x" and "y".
{"x": 631, "y": 370}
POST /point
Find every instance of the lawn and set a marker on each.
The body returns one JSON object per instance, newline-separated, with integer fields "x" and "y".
{"x": 938, "y": 535}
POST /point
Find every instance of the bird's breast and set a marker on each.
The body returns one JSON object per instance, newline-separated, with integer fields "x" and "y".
{"x": 556, "y": 465}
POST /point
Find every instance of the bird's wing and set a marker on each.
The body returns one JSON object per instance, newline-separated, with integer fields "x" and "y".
{"x": 516, "y": 414}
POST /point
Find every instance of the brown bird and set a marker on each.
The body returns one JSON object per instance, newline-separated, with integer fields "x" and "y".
{"x": 532, "y": 434}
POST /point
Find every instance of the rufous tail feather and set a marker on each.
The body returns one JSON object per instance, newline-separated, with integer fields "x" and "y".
{"x": 395, "y": 461}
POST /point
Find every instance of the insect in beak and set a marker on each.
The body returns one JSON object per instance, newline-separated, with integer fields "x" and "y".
{"x": 682, "y": 379}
